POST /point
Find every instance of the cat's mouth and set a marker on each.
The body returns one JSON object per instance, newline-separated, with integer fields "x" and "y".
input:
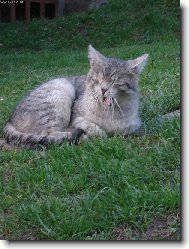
{"x": 107, "y": 101}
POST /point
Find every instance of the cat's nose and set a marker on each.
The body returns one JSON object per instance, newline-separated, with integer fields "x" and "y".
{"x": 104, "y": 90}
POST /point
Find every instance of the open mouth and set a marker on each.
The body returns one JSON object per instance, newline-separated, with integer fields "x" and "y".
{"x": 107, "y": 101}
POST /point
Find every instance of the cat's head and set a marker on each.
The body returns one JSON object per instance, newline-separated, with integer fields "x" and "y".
{"x": 111, "y": 79}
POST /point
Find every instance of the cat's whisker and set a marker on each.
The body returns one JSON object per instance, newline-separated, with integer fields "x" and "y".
{"x": 104, "y": 110}
{"x": 112, "y": 103}
{"x": 119, "y": 106}
{"x": 113, "y": 107}
{"x": 108, "y": 109}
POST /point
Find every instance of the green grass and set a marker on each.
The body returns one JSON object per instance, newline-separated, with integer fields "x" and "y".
{"x": 83, "y": 192}
{"x": 120, "y": 22}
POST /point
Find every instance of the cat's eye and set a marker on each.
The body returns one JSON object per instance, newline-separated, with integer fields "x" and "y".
{"x": 115, "y": 84}
{"x": 98, "y": 72}
{"x": 95, "y": 81}
{"x": 129, "y": 86}
{"x": 122, "y": 87}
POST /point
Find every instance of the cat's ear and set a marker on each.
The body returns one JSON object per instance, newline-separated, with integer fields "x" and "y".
{"x": 94, "y": 56}
{"x": 139, "y": 63}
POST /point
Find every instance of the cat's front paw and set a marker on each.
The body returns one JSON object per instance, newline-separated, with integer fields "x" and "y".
{"x": 84, "y": 137}
{"x": 98, "y": 133}
{"x": 94, "y": 131}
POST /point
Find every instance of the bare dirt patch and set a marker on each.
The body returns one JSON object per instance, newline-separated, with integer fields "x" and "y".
{"x": 167, "y": 228}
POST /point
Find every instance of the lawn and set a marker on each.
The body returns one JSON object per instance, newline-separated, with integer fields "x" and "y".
{"x": 101, "y": 189}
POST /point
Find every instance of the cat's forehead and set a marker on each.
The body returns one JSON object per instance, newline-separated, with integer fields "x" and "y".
{"x": 115, "y": 66}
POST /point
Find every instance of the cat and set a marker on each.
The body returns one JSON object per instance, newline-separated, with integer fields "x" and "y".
{"x": 102, "y": 103}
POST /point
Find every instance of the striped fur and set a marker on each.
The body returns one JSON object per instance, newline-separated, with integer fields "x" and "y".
{"x": 43, "y": 116}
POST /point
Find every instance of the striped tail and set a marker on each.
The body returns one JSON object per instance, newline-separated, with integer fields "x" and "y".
{"x": 31, "y": 141}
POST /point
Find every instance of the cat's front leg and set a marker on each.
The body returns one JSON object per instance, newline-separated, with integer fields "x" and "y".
{"x": 89, "y": 127}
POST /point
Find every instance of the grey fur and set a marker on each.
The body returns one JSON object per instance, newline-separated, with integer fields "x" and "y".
{"x": 101, "y": 103}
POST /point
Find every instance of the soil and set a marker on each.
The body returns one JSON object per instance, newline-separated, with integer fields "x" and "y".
{"x": 167, "y": 228}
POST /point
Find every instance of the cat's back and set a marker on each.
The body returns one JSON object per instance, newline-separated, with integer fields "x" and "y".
{"x": 52, "y": 94}
{"x": 54, "y": 89}
{"x": 72, "y": 86}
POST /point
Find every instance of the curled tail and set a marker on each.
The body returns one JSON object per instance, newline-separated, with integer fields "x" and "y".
{"x": 31, "y": 141}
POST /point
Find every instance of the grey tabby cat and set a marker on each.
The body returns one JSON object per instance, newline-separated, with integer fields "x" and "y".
{"x": 103, "y": 102}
